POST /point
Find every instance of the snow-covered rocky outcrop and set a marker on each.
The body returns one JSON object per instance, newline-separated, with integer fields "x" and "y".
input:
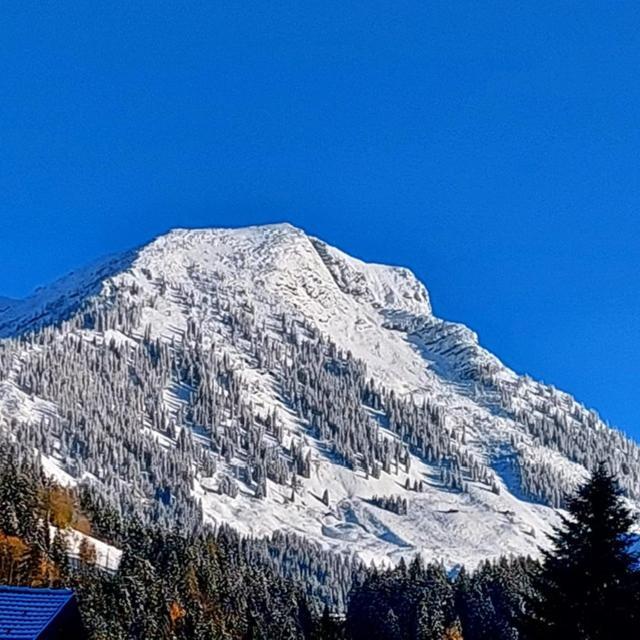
{"x": 265, "y": 379}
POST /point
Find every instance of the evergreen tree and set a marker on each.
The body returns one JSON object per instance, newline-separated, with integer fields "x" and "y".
{"x": 588, "y": 584}
{"x": 390, "y": 629}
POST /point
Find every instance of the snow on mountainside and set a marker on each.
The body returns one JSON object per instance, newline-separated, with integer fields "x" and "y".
{"x": 283, "y": 385}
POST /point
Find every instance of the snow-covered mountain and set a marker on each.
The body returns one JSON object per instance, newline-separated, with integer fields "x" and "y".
{"x": 265, "y": 379}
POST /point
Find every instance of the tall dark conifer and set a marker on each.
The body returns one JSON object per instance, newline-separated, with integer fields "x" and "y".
{"x": 588, "y": 583}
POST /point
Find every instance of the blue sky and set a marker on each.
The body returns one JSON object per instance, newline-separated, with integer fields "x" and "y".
{"x": 491, "y": 147}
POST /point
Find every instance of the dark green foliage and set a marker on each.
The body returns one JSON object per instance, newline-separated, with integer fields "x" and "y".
{"x": 395, "y": 504}
{"x": 169, "y": 586}
{"x": 490, "y": 601}
{"x": 589, "y": 584}
{"x": 425, "y": 603}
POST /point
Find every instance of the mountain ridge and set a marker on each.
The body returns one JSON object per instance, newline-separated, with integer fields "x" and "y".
{"x": 325, "y": 373}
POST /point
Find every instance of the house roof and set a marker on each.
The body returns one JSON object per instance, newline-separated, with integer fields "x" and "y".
{"x": 26, "y": 613}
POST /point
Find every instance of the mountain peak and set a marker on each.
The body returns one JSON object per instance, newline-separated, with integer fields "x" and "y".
{"x": 259, "y": 367}
{"x": 256, "y": 230}
{"x": 282, "y": 254}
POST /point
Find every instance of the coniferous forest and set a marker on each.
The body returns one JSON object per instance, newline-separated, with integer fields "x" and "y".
{"x": 307, "y": 318}
{"x": 239, "y": 416}
{"x": 215, "y": 584}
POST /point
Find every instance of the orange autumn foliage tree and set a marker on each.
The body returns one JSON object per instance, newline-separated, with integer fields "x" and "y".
{"x": 44, "y": 574}
{"x": 60, "y": 506}
{"x": 64, "y": 511}
{"x": 13, "y": 556}
{"x": 176, "y": 612}
{"x": 26, "y": 564}
{"x": 453, "y": 633}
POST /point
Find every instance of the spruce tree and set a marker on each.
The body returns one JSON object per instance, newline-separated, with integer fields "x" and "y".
{"x": 587, "y": 587}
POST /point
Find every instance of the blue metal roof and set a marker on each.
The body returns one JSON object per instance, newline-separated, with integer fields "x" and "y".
{"x": 26, "y": 613}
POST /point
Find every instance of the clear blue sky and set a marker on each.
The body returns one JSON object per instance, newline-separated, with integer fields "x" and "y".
{"x": 492, "y": 148}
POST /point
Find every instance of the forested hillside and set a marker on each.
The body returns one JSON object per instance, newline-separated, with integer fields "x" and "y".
{"x": 215, "y": 584}
{"x": 262, "y": 379}
{"x": 219, "y": 585}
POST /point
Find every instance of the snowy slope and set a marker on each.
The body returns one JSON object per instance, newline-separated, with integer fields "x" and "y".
{"x": 107, "y": 557}
{"x": 382, "y": 316}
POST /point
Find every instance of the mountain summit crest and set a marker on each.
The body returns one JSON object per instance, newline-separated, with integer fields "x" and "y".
{"x": 262, "y": 378}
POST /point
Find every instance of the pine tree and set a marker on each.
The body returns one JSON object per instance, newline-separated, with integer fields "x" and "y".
{"x": 58, "y": 553}
{"x": 86, "y": 552}
{"x": 390, "y": 628}
{"x": 587, "y": 587}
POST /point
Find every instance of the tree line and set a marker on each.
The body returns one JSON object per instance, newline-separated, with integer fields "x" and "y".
{"x": 216, "y": 584}
{"x": 585, "y": 587}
